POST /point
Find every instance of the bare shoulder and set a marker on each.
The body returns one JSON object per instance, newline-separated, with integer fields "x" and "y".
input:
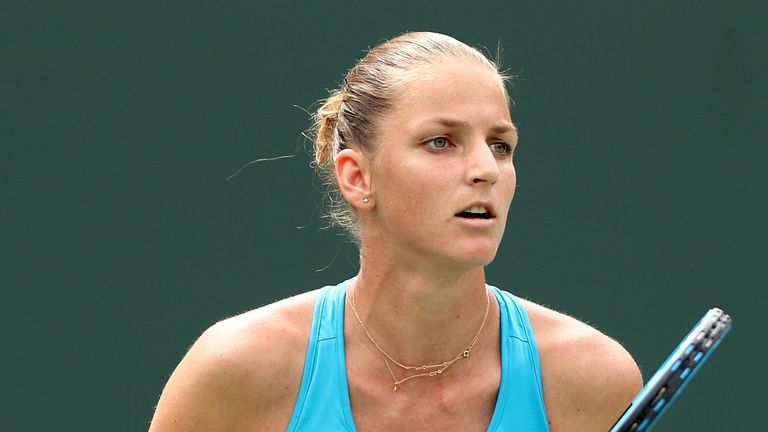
{"x": 242, "y": 372}
{"x": 589, "y": 379}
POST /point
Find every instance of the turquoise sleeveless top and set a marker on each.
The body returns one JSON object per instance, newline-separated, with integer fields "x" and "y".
{"x": 323, "y": 400}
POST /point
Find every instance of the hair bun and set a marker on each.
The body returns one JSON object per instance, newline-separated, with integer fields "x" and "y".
{"x": 326, "y": 120}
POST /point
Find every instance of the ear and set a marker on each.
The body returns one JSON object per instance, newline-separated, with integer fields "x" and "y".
{"x": 354, "y": 178}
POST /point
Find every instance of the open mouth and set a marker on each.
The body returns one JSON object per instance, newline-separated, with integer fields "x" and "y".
{"x": 476, "y": 212}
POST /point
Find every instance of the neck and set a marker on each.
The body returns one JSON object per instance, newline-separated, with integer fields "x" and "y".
{"x": 420, "y": 313}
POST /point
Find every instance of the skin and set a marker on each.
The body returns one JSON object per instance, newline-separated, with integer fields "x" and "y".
{"x": 444, "y": 147}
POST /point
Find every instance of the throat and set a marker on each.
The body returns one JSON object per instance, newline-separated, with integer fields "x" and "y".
{"x": 432, "y": 351}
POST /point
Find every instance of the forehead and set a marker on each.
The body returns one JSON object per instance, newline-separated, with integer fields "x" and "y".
{"x": 452, "y": 88}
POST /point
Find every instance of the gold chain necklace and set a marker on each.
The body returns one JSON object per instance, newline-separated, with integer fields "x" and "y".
{"x": 432, "y": 370}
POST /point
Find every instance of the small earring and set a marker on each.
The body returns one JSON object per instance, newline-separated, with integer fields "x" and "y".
{"x": 365, "y": 200}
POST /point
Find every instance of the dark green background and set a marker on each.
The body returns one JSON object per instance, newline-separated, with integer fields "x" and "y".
{"x": 641, "y": 169}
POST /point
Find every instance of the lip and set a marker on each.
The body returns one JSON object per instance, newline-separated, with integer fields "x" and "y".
{"x": 487, "y": 204}
{"x": 478, "y": 222}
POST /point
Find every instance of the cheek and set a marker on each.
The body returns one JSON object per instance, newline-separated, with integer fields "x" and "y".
{"x": 508, "y": 185}
{"x": 513, "y": 186}
{"x": 419, "y": 188}
{"x": 408, "y": 191}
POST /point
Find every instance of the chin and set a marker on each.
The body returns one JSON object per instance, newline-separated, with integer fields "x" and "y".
{"x": 477, "y": 257}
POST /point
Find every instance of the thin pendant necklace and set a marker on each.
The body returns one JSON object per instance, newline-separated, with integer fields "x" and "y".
{"x": 425, "y": 370}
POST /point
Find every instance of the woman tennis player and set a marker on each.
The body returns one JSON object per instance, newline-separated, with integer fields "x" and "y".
{"x": 418, "y": 144}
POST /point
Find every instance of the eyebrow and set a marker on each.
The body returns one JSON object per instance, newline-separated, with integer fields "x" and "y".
{"x": 498, "y": 129}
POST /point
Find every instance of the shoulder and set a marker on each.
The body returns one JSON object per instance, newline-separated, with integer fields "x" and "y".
{"x": 242, "y": 371}
{"x": 589, "y": 379}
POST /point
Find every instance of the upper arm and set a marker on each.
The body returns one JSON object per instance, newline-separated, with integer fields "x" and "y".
{"x": 589, "y": 379}
{"x": 241, "y": 374}
{"x": 597, "y": 379}
{"x": 205, "y": 392}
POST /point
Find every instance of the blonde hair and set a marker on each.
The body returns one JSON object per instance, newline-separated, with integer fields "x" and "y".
{"x": 349, "y": 116}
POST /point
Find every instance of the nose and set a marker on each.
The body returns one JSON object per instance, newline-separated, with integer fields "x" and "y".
{"x": 482, "y": 166}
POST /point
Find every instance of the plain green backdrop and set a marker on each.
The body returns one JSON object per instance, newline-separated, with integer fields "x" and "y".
{"x": 641, "y": 200}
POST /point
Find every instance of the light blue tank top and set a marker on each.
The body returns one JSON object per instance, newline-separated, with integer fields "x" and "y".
{"x": 323, "y": 400}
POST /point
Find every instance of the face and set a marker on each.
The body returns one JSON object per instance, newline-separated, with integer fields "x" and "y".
{"x": 442, "y": 175}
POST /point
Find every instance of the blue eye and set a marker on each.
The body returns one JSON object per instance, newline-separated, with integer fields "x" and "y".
{"x": 438, "y": 143}
{"x": 501, "y": 148}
